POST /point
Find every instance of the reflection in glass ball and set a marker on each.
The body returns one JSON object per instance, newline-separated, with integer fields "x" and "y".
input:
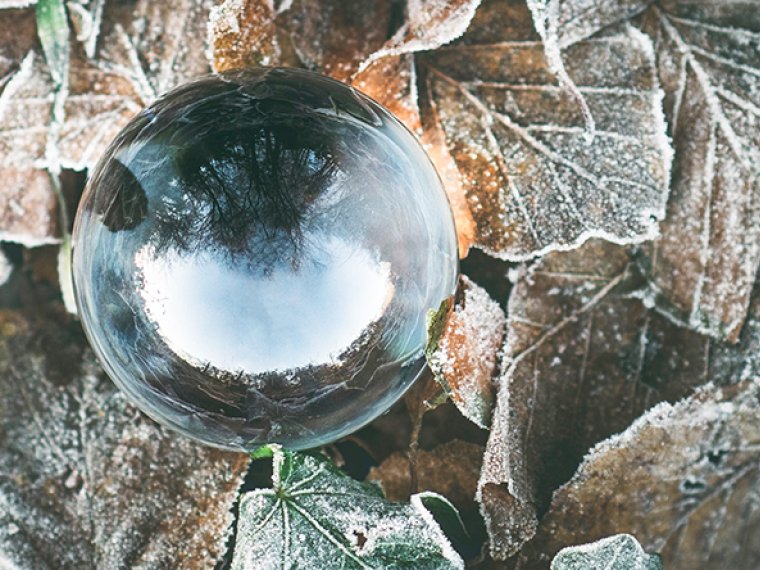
{"x": 255, "y": 257}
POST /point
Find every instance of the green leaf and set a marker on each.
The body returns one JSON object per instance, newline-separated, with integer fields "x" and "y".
{"x": 53, "y": 30}
{"x": 619, "y": 552}
{"x": 316, "y": 517}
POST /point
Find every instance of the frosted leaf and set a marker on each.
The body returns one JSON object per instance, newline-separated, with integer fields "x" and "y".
{"x": 465, "y": 358}
{"x": 704, "y": 266}
{"x": 684, "y": 479}
{"x": 619, "y": 552}
{"x": 316, "y": 517}
{"x": 450, "y": 469}
{"x": 428, "y": 25}
{"x": 28, "y": 208}
{"x": 534, "y": 179}
{"x": 242, "y": 33}
{"x": 586, "y": 354}
{"x": 86, "y": 481}
{"x": 145, "y": 49}
{"x": 561, "y": 23}
{"x": 569, "y": 21}
{"x": 331, "y": 37}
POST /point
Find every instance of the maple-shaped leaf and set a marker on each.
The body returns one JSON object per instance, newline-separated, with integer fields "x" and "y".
{"x": 464, "y": 358}
{"x": 683, "y": 479}
{"x": 86, "y": 481}
{"x": 704, "y": 265}
{"x": 619, "y": 552}
{"x": 534, "y": 178}
{"x": 316, "y": 517}
{"x": 586, "y": 354}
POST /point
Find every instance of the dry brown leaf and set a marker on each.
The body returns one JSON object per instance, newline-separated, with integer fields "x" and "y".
{"x": 390, "y": 77}
{"x": 330, "y": 37}
{"x": 684, "y": 479}
{"x": 137, "y": 60}
{"x": 565, "y": 22}
{"x": 466, "y": 358}
{"x": 534, "y": 179}
{"x": 450, "y": 469}
{"x": 86, "y": 481}
{"x": 585, "y": 355}
{"x": 709, "y": 65}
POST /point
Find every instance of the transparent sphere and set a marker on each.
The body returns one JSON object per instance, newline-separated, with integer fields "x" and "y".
{"x": 255, "y": 257}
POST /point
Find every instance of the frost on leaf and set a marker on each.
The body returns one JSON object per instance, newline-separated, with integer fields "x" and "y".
{"x": 86, "y": 481}
{"x": 585, "y": 355}
{"x": 709, "y": 65}
{"x": 535, "y": 180}
{"x": 331, "y": 37}
{"x": 144, "y": 48}
{"x": 465, "y": 358}
{"x": 619, "y": 552}
{"x": 684, "y": 479}
{"x": 27, "y": 205}
{"x": 316, "y": 517}
{"x": 568, "y": 21}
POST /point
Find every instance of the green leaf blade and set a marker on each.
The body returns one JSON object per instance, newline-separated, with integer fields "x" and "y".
{"x": 53, "y": 31}
{"x": 318, "y": 517}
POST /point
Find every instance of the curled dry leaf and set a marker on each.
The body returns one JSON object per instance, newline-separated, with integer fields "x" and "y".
{"x": 466, "y": 356}
{"x": 534, "y": 179}
{"x": 619, "y": 552}
{"x": 585, "y": 355}
{"x": 86, "y": 481}
{"x": 709, "y": 64}
{"x": 450, "y": 469}
{"x": 684, "y": 479}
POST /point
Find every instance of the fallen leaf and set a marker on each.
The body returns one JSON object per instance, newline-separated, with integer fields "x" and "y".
{"x": 683, "y": 479}
{"x": 704, "y": 265}
{"x": 390, "y": 77}
{"x": 450, "y": 469}
{"x": 85, "y": 480}
{"x": 585, "y": 355}
{"x": 145, "y": 48}
{"x": 466, "y": 355}
{"x": 619, "y": 552}
{"x": 565, "y": 22}
{"x": 535, "y": 180}
{"x": 330, "y": 37}
{"x": 317, "y": 517}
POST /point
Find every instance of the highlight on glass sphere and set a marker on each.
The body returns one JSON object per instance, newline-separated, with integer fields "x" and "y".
{"x": 255, "y": 257}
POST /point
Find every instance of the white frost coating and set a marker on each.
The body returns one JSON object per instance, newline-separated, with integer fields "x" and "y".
{"x": 621, "y": 551}
{"x": 430, "y": 24}
{"x": 468, "y": 353}
{"x": 119, "y": 491}
{"x": 16, "y": 82}
{"x": 316, "y": 518}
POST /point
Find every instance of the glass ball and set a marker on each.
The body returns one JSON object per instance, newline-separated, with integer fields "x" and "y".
{"x": 255, "y": 257}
